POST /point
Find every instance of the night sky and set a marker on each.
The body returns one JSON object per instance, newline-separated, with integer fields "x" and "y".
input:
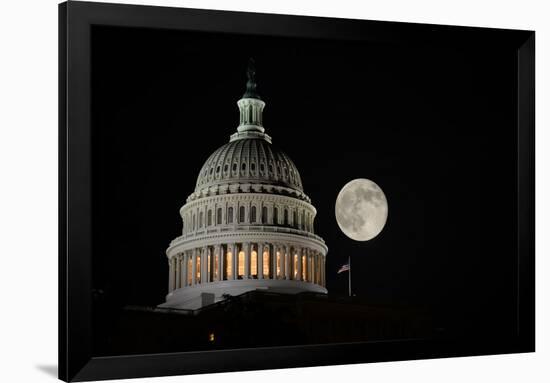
{"x": 433, "y": 126}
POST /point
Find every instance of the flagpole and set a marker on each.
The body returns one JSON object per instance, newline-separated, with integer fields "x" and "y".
{"x": 349, "y": 275}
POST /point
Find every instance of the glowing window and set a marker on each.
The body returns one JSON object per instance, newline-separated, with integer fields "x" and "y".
{"x": 254, "y": 263}
{"x": 295, "y": 268}
{"x": 229, "y": 264}
{"x": 189, "y": 270}
{"x": 198, "y": 267}
{"x": 266, "y": 265}
{"x": 240, "y": 264}
{"x": 279, "y": 264}
{"x": 209, "y": 278}
{"x": 304, "y": 268}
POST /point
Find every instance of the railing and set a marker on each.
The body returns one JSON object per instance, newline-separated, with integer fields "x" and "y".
{"x": 238, "y": 228}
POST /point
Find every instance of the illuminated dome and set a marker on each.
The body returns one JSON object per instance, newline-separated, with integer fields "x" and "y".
{"x": 248, "y": 224}
{"x": 249, "y": 160}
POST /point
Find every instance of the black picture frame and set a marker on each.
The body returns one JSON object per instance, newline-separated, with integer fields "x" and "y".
{"x": 76, "y": 362}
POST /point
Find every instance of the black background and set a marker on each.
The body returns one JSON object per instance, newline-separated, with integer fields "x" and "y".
{"x": 433, "y": 126}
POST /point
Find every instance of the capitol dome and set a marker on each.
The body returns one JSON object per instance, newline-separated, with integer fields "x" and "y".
{"x": 251, "y": 160}
{"x": 248, "y": 224}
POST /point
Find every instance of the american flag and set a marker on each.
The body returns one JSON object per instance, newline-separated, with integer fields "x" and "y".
{"x": 344, "y": 267}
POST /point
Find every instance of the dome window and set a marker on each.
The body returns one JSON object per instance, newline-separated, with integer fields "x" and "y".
{"x": 253, "y": 214}
{"x": 243, "y": 166}
{"x": 209, "y": 218}
{"x": 225, "y": 167}
{"x": 241, "y": 214}
{"x": 201, "y": 219}
{"x": 218, "y": 169}
{"x": 270, "y": 168}
{"x": 211, "y": 170}
{"x": 235, "y": 167}
{"x": 275, "y": 216}
{"x": 264, "y": 214}
{"x": 219, "y": 216}
{"x": 230, "y": 215}
{"x": 253, "y": 166}
{"x": 262, "y": 167}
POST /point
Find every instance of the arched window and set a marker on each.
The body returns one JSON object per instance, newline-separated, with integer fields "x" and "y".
{"x": 253, "y": 214}
{"x": 240, "y": 265}
{"x": 295, "y": 218}
{"x": 285, "y": 217}
{"x": 194, "y": 220}
{"x": 264, "y": 214}
{"x": 262, "y": 167}
{"x": 241, "y": 214}
{"x": 225, "y": 167}
{"x": 201, "y": 219}
{"x": 254, "y": 264}
{"x": 219, "y": 216}
{"x": 209, "y": 215}
{"x": 230, "y": 215}
{"x": 253, "y": 166}
{"x": 243, "y": 166}
{"x": 275, "y": 216}
{"x": 235, "y": 167}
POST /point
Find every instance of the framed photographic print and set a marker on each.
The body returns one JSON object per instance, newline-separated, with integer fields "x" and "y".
{"x": 248, "y": 191}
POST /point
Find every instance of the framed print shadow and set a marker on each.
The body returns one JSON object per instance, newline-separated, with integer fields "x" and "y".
{"x": 246, "y": 191}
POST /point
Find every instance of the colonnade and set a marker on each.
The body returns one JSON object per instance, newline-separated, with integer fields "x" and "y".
{"x": 247, "y": 260}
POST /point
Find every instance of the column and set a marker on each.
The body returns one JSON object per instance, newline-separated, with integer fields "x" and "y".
{"x": 260, "y": 260}
{"x": 287, "y": 261}
{"x": 317, "y": 268}
{"x": 184, "y": 270}
{"x": 273, "y": 257}
{"x": 282, "y": 260}
{"x": 246, "y": 260}
{"x": 204, "y": 265}
{"x": 234, "y": 263}
{"x": 221, "y": 262}
{"x": 323, "y": 270}
{"x": 194, "y": 268}
{"x": 299, "y": 277}
{"x": 313, "y": 266}
{"x": 170, "y": 275}
{"x": 178, "y": 269}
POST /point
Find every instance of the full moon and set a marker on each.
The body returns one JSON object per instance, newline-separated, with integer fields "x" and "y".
{"x": 361, "y": 209}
